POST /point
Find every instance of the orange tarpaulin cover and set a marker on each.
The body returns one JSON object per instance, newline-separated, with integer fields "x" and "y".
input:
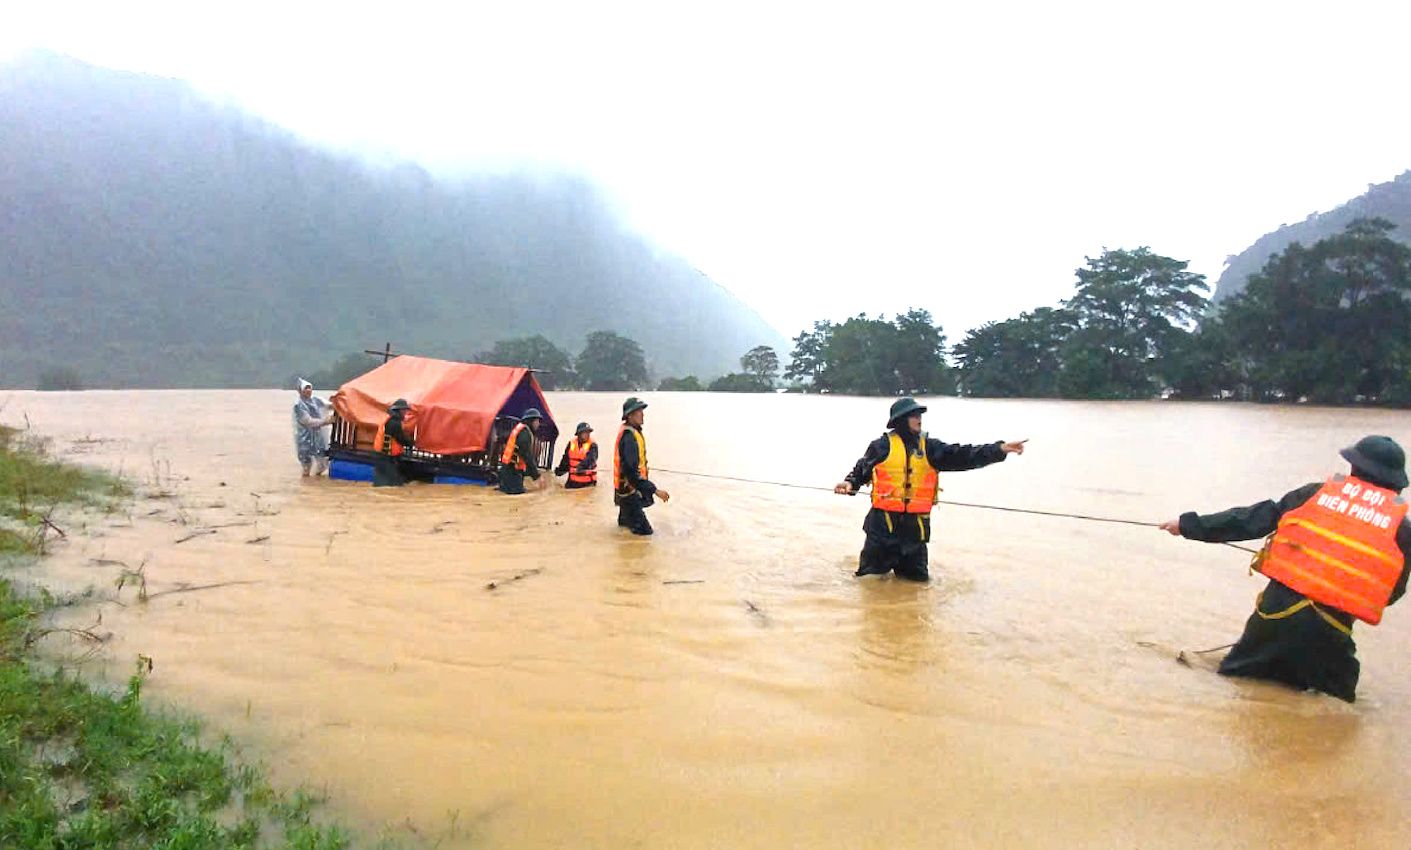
{"x": 453, "y": 405}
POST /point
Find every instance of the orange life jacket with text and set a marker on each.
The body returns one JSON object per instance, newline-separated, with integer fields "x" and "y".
{"x": 577, "y": 455}
{"x": 1339, "y": 547}
{"x": 510, "y": 457}
{"x": 619, "y": 484}
{"x": 904, "y": 483}
{"x": 385, "y": 444}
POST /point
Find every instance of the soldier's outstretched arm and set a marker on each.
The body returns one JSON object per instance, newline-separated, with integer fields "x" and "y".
{"x": 1249, "y": 522}
{"x": 955, "y": 457}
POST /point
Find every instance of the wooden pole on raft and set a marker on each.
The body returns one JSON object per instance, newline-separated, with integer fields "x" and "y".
{"x": 386, "y": 353}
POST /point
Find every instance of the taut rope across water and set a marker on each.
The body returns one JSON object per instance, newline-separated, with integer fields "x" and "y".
{"x": 1084, "y": 517}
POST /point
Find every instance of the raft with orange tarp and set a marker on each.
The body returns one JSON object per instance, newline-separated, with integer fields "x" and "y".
{"x": 461, "y": 414}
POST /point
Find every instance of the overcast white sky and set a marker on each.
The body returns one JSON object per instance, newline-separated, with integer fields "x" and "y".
{"x": 826, "y": 159}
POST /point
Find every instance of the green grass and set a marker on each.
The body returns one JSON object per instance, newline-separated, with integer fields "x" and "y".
{"x": 81, "y": 768}
{"x": 33, "y": 484}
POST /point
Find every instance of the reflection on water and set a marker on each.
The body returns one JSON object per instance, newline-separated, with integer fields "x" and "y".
{"x": 521, "y": 668}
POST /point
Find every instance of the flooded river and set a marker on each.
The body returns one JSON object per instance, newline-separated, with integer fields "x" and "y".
{"x": 729, "y": 684}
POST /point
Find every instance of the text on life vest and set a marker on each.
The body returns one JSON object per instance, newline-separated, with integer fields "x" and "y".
{"x": 1359, "y": 504}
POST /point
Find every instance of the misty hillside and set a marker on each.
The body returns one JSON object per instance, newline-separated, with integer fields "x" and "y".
{"x": 1391, "y": 201}
{"x": 151, "y": 238}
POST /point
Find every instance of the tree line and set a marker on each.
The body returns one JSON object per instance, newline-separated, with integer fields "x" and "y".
{"x": 607, "y": 362}
{"x": 1328, "y": 323}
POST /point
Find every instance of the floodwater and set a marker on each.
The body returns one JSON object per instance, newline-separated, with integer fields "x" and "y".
{"x": 729, "y": 684}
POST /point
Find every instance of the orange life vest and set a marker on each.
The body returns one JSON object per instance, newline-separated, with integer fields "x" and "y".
{"x": 904, "y": 483}
{"x": 1339, "y": 547}
{"x": 577, "y": 454}
{"x": 510, "y": 457}
{"x": 385, "y": 444}
{"x": 619, "y": 484}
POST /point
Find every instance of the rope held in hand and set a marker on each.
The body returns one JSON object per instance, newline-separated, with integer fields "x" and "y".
{"x": 1083, "y": 517}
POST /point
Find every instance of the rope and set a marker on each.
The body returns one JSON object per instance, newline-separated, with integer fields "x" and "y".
{"x": 1030, "y": 511}
{"x": 1210, "y": 650}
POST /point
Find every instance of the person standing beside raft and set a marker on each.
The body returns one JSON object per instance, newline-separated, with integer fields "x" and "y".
{"x": 1336, "y": 551}
{"x": 391, "y": 443}
{"x": 901, "y": 465}
{"x": 311, "y": 416}
{"x": 518, "y": 459}
{"x": 580, "y": 459}
{"x": 632, "y": 488}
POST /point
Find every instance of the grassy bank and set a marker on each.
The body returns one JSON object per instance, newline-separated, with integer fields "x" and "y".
{"x": 83, "y": 768}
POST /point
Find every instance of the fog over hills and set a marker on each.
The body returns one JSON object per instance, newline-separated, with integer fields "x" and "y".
{"x": 152, "y": 238}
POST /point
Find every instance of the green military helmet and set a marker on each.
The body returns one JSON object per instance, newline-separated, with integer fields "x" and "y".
{"x": 902, "y": 408}
{"x": 399, "y": 404}
{"x": 531, "y": 413}
{"x": 582, "y": 426}
{"x": 632, "y": 405}
{"x": 1379, "y": 456}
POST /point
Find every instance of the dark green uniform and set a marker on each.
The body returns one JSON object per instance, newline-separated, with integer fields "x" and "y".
{"x": 590, "y": 463}
{"x": 511, "y": 479}
{"x": 387, "y": 470}
{"x": 1282, "y": 642}
{"x": 638, "y": 493}
{"x": 897, "y": 541}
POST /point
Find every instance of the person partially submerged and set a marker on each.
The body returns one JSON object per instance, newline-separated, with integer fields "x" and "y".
{"x": 517, "y": 459}
{"x": 580, "y": 459}
{"x": 391, "y": 442}
{"x": 1336, "y": 551}
{"x": 901, "y": 466}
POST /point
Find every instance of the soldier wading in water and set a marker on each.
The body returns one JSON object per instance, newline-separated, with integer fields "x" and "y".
{"x": 1336, "y": 551}
{"x": 901, "y": 465}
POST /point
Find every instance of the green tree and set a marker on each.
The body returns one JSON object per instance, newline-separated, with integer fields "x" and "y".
{"x": 1016, "y": 358}
{"x": 1200, "y": 364}
{"x": 866, "y": 356}
{"x": 919, "y": 347}
{"x": 1129, "y": 309}
{"x": 1330, "y": 323}
{"x": 610, "y": 362}
{"x": 739, "y": 382}
{"x": 857, "y": 360}
{"x": 688, "y": 384}
{"x": 763, "y": 363}
{"x": 59, "y": 378}
{"x": 553, "y": 364}
{"x": 807, "y": 361}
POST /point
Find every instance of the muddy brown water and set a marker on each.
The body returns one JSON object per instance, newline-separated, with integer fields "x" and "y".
{"x": 729, "y": 683}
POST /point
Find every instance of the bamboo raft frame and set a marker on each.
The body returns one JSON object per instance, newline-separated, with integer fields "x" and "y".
{"x": 353, "y": 442}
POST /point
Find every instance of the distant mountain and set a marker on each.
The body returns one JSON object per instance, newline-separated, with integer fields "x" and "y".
{"x": 151, "y": 238}
{"x": 1391, "y": 201}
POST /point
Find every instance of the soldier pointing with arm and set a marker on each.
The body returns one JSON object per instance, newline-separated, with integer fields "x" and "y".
{"x": 901, "y": 466}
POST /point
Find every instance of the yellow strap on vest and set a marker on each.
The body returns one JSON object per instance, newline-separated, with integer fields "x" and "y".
{"x": 1325, "y": 583}
{"x": 1355, "y": 545}
{"x": 1328, "y": 559}
{"x": 1295, "y": 608}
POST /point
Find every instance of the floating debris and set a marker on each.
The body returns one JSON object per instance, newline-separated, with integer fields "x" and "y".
{"x": 516, "y": 577}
